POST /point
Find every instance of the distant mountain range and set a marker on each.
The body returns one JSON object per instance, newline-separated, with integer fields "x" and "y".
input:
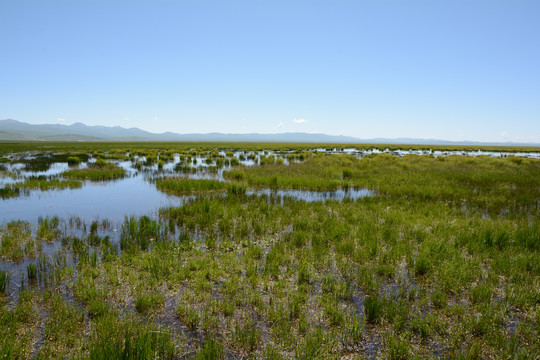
{"x": 19, "y": 131}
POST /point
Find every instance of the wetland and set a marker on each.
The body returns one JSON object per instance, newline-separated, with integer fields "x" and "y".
{"x": 268, "y": 251}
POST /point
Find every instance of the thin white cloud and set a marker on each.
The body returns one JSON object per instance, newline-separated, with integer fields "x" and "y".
{"x": 155, "y": 118}
{"x": 531, "y": 138}
{"x": 505, "y": 136}
{"x": 300, "y": 121}
{"x": 61, "y": 120}
{"x": 280, "y": 126}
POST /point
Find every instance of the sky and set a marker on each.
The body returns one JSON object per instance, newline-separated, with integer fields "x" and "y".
{"x": 454, "y": 70}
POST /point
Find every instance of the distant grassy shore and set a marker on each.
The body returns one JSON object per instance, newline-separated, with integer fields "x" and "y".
{"x": 88, "y": 147}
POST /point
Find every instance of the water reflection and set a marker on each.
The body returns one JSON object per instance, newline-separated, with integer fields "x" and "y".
{"x": 112, "y": 200}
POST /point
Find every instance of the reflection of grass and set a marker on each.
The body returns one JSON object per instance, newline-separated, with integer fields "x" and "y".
{"x": 7, "y": 193}
{"x": 100, "y": 170}
{"x": 45, "y": 184}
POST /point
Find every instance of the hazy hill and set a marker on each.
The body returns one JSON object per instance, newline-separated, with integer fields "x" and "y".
{"x": 16, "y": 130}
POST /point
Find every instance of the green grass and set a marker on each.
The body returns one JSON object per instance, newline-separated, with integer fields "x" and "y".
{"x": 149, "y": 301}
{"x": 211, "y": 349}
{"x": 31, "y": 270}
{"x": 16, "y": 241}
{"x": 73, "y": 160}
{"x": 139, "y": 233}
{"x": 82, "y": 149}
{"x": 48, "y": 229}
{"x": 99, "y": 171}
{"x": 18, "y": 327}
{"x": 373, "y": 308}
{"x": 185, "y": 185}
{"x": 115, "y": 338}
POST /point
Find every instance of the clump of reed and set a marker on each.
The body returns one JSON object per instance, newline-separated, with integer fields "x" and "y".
{"x": 73, "y": 160}
{"x": 5, "y": 277}
{"x": 48, "y": 229}
{"x": 139, "y": 233}
{"x": 31, "y": 270}
{"x": 149, "y": 301}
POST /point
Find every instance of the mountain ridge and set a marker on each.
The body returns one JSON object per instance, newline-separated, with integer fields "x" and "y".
{"x": 13, "y": 130}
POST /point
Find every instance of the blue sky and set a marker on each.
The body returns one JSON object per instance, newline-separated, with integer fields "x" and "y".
{"x": 457, "y": 70}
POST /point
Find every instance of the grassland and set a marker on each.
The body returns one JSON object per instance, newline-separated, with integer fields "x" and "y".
{"x": 443, "y": 263}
